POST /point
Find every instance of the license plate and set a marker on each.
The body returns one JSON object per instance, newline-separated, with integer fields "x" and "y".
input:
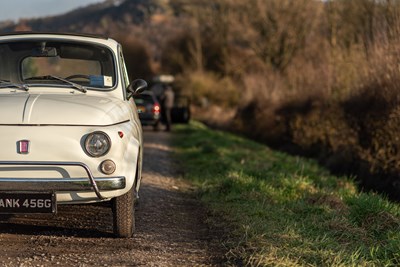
{"x": 141, "y": 109}
{"x": 27, "y": 202}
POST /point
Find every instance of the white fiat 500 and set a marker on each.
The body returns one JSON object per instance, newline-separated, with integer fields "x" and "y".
{"x": 69, "y": 128}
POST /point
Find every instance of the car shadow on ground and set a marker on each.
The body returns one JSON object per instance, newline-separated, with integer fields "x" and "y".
{"x": 162, "y": 215}
{"x": 93, "y": 220}
{"x": 44, "y": 230}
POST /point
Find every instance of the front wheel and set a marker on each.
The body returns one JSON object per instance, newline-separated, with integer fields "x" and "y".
{"x": 124, "y": 215}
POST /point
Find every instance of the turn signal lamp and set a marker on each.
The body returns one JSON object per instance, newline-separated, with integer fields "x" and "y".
{"x": 107, "y": 167}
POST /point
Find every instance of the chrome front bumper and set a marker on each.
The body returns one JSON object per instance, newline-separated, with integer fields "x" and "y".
{"x": 60, "y": 184}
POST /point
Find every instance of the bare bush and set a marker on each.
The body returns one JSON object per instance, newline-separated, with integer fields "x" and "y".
{"x": 137, "y": 57}
{"x": 277, "y": 30}
{"x": 206, "y": 88}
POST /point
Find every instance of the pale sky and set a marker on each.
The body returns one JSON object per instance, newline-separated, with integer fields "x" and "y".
{"x": 16, "y": 9}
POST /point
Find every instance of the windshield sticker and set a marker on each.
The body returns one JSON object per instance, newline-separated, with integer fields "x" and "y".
{"x": 108, "y": 81}
{"x": 100, "y": 81}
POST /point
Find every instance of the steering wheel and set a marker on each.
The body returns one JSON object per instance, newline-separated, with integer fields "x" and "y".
{"x": 78, "y": 76}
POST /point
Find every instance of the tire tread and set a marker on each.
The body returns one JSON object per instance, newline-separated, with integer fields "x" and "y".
{"x": 124, "y": 215}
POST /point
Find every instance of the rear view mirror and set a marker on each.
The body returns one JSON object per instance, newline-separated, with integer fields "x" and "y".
{"x": 44, "y": 52}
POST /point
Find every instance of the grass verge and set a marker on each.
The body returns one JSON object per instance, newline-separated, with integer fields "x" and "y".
{"x": 285, "y": 210}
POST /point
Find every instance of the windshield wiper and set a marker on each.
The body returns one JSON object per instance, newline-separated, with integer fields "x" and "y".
{"x": 75, "y": 85}
{"x": 5, "y": 83}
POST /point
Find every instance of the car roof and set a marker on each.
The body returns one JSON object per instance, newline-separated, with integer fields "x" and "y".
{"x": 77, "y": 37}
{"x": 54, "y": 33}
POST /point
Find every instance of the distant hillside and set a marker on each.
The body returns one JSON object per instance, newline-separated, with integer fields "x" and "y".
{"x": 96, "y": 18}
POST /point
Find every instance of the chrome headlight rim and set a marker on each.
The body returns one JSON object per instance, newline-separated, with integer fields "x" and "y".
{"x": 94, "y": 154}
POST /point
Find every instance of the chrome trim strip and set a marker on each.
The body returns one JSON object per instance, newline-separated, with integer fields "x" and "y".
{"x": 56, "y": 163}
{"x": 61, "y": 184}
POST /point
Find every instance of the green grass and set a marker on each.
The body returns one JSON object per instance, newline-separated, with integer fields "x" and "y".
{"x": 284, "y": 210}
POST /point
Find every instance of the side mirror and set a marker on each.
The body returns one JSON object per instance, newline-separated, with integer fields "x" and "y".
{"x": 136, "y": 87}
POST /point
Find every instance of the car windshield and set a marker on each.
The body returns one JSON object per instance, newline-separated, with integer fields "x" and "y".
{"x": 57, "y": 63}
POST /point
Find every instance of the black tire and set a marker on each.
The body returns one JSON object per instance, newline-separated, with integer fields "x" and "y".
{"x": 124, "y": 215}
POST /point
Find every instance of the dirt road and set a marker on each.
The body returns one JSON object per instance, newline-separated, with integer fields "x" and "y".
{"x": 170, "y": 227}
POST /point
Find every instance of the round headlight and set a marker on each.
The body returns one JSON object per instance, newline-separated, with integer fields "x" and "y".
{"x": 97, "y": 144}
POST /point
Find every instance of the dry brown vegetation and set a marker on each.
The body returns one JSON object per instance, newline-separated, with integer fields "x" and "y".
{"x": 320, "y": 78}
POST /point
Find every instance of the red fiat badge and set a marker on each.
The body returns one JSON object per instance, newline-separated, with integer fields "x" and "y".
{"x": 23, "y": 147}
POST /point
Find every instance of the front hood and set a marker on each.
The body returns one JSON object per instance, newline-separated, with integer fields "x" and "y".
{"x": 60, "y": 109}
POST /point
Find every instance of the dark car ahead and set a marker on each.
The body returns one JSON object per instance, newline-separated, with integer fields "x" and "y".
{"x": 149, "y": 109}
{"x": 180, "y": 112}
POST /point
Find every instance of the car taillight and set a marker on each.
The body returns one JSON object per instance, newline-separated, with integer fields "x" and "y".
{"x": 156, "y": 109}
